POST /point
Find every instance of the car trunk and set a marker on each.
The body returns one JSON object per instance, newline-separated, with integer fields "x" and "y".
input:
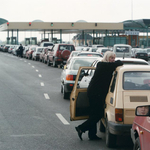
{"x": 132, "y": 99}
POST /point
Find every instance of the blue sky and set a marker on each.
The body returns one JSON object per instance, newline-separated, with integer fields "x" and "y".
{"x": 72, "y": 11}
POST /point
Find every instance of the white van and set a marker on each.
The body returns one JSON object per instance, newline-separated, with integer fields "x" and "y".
{"x": 122, "y": 50}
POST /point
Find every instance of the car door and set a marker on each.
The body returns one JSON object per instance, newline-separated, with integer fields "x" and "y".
{"x": 145, "y": 137}
{"x": 79, "y": 103}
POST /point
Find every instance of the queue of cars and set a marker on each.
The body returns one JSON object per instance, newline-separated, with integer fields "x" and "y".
{"x": 128, "y": 89}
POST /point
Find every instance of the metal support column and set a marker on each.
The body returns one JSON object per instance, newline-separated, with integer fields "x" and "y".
{"x": 82, "y": 37}
{"x": 17, "y": 38}
{"x": 12, "y": 38}
{"x": 51, "y": 35}
{"x": 8, "y": 37}
{"x": 147, "y": 38}
{"x": 86, "y": 39}
{"x": 106, "y": 38}
{"x": 60, "y": 36}
{"x": 93, "y": 35}
{"x": 44, "y": 34}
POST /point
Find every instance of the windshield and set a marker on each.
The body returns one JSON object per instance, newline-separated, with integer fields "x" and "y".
{"x": 122, "y": 49}
{"x": 81, "y": 62}
{"x": 136, "y": 80}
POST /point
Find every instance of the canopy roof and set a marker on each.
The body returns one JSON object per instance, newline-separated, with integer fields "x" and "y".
{"x": 141, "y": 24}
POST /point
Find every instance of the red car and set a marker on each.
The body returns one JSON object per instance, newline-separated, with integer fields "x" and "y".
{"x": 140, "y": 131}
{"x": 30, "y": 51}
{"x": 59, "y": 54}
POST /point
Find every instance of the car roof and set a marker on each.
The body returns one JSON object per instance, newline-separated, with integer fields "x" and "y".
{"x": 84, "y": 57}
{"x": 133, "y": 68}
{"x": 128, "y": 60}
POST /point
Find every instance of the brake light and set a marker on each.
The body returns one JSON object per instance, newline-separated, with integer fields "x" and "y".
{"x": 69, "y": 77}
{"x": 119, "y": 115}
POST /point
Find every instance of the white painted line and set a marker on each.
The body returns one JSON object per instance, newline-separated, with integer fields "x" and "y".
{"x": 20, "y": 59}
{"x": 46, "y": 96}
{"x": 62, "y": 119}
{"x": 25, "y": 61}
{"x": 32, "y": 66}
{"x": 37, "y": 71}
{"x": 42, "y": 84}
{"x": 40, "y": 75}
{"x": 27, "y": 135}
{"x": 29, "y": 63}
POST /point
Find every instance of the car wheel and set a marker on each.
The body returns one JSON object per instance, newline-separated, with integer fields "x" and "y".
{"x": 110, "y": 138}
{"x": 48, "y": 62}
{"x": 61, "y": 89}
{"x": 137, "y": 145}
{"x": 102, "y": 128}
{"x": 54, "y": 63}
{"x": 65, "y": 94}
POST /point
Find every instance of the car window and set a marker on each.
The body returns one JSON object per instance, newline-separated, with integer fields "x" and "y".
{"x": 122, "y": 49}
{"x": 81, "y": 62}
{"x": 136, "y": 80}
{"x": 66, "y": 47}
{"x": 92, "y": 55}
{"x": 113, "y": 82}
{"x": 48, "y": 44}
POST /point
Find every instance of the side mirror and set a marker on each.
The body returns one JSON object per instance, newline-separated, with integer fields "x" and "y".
{"x": 143, "y": 110}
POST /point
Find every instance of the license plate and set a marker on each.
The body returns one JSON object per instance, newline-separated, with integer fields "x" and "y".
{"x": 141, "y": 54}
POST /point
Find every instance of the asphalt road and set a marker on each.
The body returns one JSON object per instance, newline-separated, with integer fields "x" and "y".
{"x": 33, "y": 113}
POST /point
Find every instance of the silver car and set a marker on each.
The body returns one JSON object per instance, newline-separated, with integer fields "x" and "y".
{"x": 69, "y": 73}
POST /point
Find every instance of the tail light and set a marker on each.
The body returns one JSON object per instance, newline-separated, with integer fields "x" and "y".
{"x": 119, "y": 115}
{"x": 69, "y": 77}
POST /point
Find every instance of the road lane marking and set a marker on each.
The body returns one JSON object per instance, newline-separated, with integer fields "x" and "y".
{"x": 42, "y": 84}
{"x": 32, "y": 66}
{"x": 37, "y": 70}
{"x": 40, "y": 75}
{"x": 46, "y": 96}
{"x": 20, "y": 59}
{"x": 27, "y": 135}
{"x": 62, "y": 119}
{"x": 25, "y": 61}
{"x": 29, "y": 63}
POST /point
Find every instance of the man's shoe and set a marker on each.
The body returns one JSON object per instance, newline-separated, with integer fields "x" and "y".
{"x": 95, "y": 138}
{"x": 79, "y": 133}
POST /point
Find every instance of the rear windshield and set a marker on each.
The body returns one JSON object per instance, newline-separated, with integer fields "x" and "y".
{"x": 39, "y": 49}
{"x": 66, "y": 47}
{"x": 48, "y": 44}
{"x": 92, "y": 55}
{"x": 81, "y": 62}
{"x": 136, "y": 80}
{"x": 105, "y": 50}
{"x": 122, "y": 49}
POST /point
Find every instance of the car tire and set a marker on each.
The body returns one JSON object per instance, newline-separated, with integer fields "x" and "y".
{"x": 65, "y": 54}
{"x": 48, "y": 62}
{"x": 61, "y": 89}
{"x": 102, "y": 127}
{"x": 54, "y": 63}
{"x": 65, "y": 94}
{"x": 111, "y": 139}
{"x": 137, "y": 145}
